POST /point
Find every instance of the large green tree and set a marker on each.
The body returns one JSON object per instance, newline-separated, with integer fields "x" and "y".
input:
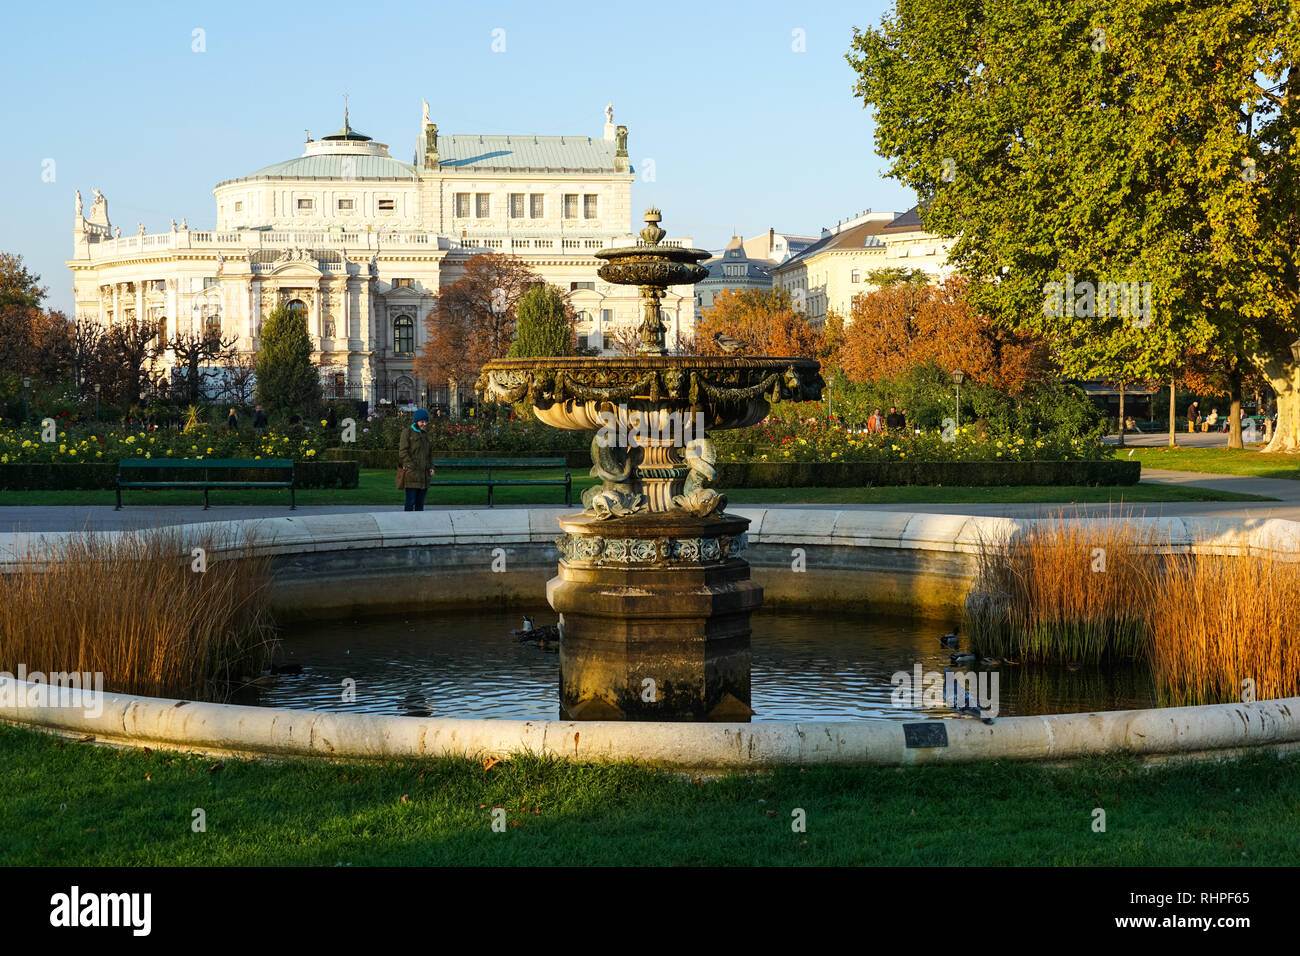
{"x": 544, "y": 323}
{"x": 287, "y": 379}
{"x": 1083, "y": 142}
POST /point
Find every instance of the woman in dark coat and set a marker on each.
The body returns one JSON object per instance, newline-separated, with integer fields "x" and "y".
{"x": 415, "y": 456}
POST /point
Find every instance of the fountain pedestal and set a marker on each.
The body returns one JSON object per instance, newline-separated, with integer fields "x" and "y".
{"x": 654, "y": 617}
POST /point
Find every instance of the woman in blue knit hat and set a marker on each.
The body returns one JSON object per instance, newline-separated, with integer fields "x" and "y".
{"x": 415, "y": 458}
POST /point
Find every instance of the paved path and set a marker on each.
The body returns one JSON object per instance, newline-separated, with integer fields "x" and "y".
{"x": 103, "y": 518}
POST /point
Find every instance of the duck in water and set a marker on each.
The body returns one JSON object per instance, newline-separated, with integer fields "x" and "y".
{"x": 547, "y": 637}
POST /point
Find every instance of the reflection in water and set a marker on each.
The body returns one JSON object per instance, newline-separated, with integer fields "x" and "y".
{"x": 805, "y": 667}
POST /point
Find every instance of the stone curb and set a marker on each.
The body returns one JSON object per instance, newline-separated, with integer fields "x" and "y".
{"x": 188, "y": 725}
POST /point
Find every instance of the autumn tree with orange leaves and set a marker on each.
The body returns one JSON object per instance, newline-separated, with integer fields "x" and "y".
{"x": 764, "y": 321}
{"x": 904, "y": 325}
{"x": 473, "y": 319}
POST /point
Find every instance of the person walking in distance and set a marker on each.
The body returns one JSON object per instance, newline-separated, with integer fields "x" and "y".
{"x": 894, "y": 421}
{"x": 415, "y": 460}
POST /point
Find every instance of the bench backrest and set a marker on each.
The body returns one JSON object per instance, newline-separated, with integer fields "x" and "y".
{"x": 499, "y": 462}
{"x": 205, "y": 463}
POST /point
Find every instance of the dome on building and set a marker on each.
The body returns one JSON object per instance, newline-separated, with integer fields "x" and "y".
{"x": 347, "y": 155}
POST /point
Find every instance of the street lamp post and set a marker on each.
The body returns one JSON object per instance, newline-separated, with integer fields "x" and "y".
{"x": 97, "y": 386}
{"x": 27, "y": 411}
{"x": 957, "y": 378}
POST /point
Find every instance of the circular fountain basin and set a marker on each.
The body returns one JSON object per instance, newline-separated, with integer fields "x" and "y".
{"x": 328, "y": 566}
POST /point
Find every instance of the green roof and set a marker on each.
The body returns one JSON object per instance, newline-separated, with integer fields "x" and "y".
{"x": 577, "y": 153}
{"x": 336, "y": 166}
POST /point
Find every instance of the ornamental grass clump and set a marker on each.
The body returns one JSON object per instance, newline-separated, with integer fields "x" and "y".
{"x": 1225, "y": 629}
{"x": 135, "y": 607}
{"x": 1212, "y": 628}
{"x": 1063, "y": 590}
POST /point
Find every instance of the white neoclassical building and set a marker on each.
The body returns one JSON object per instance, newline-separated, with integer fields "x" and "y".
{"x": 362, "y": 242}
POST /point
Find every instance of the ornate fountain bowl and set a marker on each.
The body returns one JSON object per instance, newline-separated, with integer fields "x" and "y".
{"x": 572, "y": 391}
{"x": 652, "y": 415}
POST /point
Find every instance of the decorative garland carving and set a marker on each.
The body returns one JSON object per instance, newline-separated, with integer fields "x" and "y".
{"x": 609, "y": 552}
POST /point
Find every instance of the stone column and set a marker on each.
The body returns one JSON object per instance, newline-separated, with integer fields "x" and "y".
{"x": 255, "y": 309}
{"x": 139, "y": 302}
{"x": 117, "y": 302}
{"x": 172, "y": 306}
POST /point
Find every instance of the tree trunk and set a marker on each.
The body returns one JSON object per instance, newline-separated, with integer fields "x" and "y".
{"x": 1284, "y": 375}
{"x": 1173, "y": 417}
{"x": 1121, "y": 414}
{"x": 1234, "y": 412}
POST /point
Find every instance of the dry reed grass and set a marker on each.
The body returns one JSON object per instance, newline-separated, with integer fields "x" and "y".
{"x": 1216, "y": 622}
{"x": 1043, "y": 596}
{"x": 1204, "y": 623}
{"x": 132, "y": 608}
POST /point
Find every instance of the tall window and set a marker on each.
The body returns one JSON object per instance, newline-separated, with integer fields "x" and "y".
{"x": 482, "y": 205}
{"x": 298, "y": 307}
{"x": 516, "y": 205}
{"x": 855, "y": 276}
{"x": 404, "y": 335}
{"x": 589, "y": 206}
{"x": 212, "y": 324}
{"x": 570, "y": 205}
{"x": 162, "y": 331}
{"x": 462, "y": 205}
{"x": 537, "y": 206}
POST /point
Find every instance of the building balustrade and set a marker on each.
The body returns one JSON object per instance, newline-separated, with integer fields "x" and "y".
{"x": 355, "y": 244}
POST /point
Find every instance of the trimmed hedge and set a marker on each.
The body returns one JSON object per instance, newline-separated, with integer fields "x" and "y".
{"x": 103, "y": 475}
{"x": 386, "y": 459}
{"x": 824, "y": 474}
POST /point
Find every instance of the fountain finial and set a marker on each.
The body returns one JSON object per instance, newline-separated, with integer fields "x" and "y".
{"x": 652, "y": 233}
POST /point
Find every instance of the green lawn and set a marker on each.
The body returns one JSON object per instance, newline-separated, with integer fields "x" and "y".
{"x": 72, "y": 804}
{"x": 1223, "y": 461}
{"x": 376, "y": 488}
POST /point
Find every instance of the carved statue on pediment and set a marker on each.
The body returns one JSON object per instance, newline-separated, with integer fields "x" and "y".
{"x": 173, "y": 225}
{"x": 374, "y": 264}
{"x": 78, "y": 193}
{"x": 141, "y": 229}
{"x": 609, "y": 112}
{"x": 184, "y": 225}
{"x": 329, "y": 329}
{"x": 286, "y": 255}
{"x": 117, "y": 232}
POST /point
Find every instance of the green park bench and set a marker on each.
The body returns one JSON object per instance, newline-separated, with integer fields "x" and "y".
{"x": 505, "y": 463}
{"x": 198, "y": 473}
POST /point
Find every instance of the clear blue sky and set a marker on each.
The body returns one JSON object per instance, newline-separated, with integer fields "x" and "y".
{"x": 744, "y": 132}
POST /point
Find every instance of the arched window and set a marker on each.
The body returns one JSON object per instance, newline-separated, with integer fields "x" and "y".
{"x": 404, "y": 335}
{"x": 212, "y": 324}
{"x": 298, "y": 307}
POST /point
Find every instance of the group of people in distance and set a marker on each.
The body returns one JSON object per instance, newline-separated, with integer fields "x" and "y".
{"x": 895, "y": 421}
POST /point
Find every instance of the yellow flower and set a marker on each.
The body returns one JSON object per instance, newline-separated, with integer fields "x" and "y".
{"x": 99, "y": 454}
{"x": 27, "y": 443}
{"x": 209, "y": 451}
{"x": 999, "y": 454}
{"x": 72, "y": 451}
{"x": 324, "y": 422}
{"x": 311, "y": 452}
{"x": 63, "y": 449}
{"x": 148, "y": 454}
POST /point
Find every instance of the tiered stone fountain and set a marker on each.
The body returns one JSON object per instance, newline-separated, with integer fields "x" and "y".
{"x": 653, "y": 595}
